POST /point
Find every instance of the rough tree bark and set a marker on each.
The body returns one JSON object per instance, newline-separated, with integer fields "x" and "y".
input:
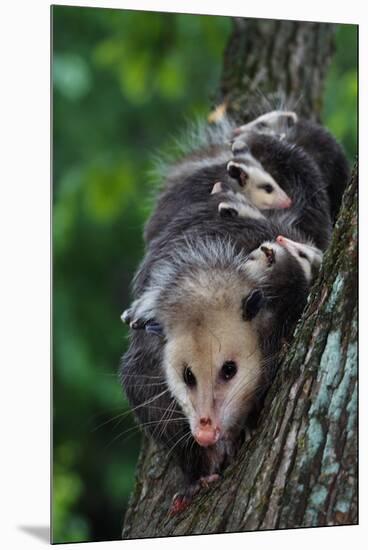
{"x": 268, "y": 61}
{"x": 299, "y": 468}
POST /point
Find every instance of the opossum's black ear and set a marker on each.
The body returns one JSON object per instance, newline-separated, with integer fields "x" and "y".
{"x": 152, "y": 327}
{"x": 252, "y": 303}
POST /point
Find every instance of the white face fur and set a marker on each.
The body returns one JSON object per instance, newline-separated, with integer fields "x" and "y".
{"x": 260, "y": 188}
{"x": 261, "y": 260}
{"x": 308, "y": 256}
{"x": 213, "y": 367}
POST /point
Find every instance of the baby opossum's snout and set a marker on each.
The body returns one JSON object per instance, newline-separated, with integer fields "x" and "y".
{"x": 308, "y": 256}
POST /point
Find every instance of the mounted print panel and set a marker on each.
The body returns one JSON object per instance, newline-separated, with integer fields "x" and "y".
{"x": 204, "y": 274}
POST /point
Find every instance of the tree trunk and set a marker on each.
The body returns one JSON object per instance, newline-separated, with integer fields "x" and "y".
{"x": 299, "y": 467}
{"x": 268, "y": 63}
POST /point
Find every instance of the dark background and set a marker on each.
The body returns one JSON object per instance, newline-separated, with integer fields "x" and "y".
{"x": 125, "y": 84}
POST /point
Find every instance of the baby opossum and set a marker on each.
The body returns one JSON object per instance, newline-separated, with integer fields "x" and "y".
{"x": 314, "y": 139}
{"x": 257, "y": 185}
{"x": 275, "y": 123}
{"x": 262, "y": 259}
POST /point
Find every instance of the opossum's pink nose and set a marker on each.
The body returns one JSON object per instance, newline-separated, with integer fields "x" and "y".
{"x": 206, "y": 434}
{"x": 284, "y": 241}
{"x": 287, "y": 243}
{"x": 287, "y": 203}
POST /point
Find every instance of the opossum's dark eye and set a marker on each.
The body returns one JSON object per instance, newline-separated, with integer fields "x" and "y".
{"x": 261, "y": 125}
{"x": 266, "y": 187}
{"x": 252, "y": 304}
{"x": 303, "y": 255}
{"x": 189, "y": 377}
{"x": 228, "y": 370}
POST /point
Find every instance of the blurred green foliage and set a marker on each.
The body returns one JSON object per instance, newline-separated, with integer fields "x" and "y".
{"x": 124, "y": 84}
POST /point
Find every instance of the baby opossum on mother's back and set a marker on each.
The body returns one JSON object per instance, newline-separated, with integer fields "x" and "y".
{"x": 313, "y": 139}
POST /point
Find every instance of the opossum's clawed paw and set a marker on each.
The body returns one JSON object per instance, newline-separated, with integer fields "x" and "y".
{"x": 138, "y": 324}
{"x": 238, "y": 171}
{"x": 227, "y": 210}
{"x": 152, "y": 327}
{"x": 206, "y": 481}
{"x": 179, "y": 503}
{"x": 126, "y": 316}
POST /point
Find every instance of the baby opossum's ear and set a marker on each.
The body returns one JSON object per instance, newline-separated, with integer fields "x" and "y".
{"x": 152, "y": 327}
{"x": 252, "y": 303}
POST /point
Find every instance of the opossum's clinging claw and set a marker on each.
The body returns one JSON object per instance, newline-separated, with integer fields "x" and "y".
{"x": 181, "y": 501}
{"x": 152, "y": 327}
{"x": 126, "y": 316}
{"x": 206, "y": 481}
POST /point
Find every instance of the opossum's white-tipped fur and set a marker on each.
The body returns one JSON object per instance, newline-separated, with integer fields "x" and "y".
{"x": 192, "y": 256}
{"x": 195, "y": 137}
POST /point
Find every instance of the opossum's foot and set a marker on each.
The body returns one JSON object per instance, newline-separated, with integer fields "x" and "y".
{"x": 126, "y": 316}
{"x": 181, "y": 501}
{"x": 129, "y": 318}
{"x": 206, "y": 481}
{"x": 140, "y": 323}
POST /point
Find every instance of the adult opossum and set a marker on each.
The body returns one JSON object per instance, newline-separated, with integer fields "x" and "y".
{"x": 212, "y": 330}
{"x": 223, "y": 315}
